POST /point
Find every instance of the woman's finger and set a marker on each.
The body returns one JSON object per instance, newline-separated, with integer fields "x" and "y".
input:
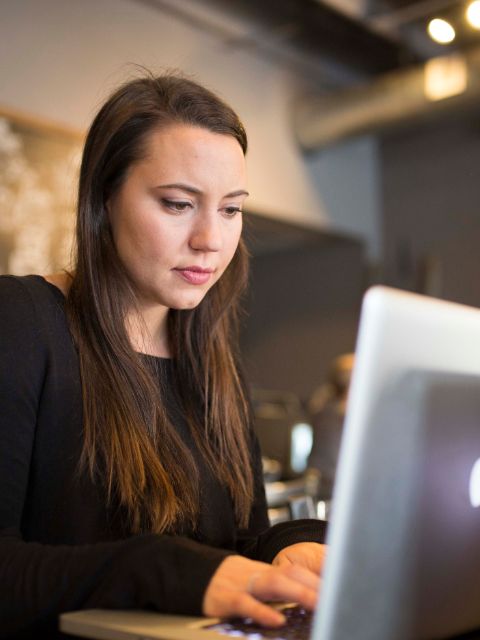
{"x": 310, "y": 555}
{"x": 289, "y": 586}
{"x": 246, "y": 606}
{"x": 243, "y": 605}
{"x": 303, "y": 575}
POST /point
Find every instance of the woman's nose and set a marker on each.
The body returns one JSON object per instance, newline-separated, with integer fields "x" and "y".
{"x": 206, "y": 233}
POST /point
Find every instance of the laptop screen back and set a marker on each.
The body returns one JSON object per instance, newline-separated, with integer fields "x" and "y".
{"x": 405, "y": 538}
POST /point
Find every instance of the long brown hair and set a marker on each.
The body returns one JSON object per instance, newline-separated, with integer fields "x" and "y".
{"x": 128, "y": 437}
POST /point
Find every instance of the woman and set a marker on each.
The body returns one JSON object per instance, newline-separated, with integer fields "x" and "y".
{"x": 129, "y": 473}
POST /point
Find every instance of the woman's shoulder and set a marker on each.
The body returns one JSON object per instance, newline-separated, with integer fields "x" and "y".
{"x": 33, "y": 324}
{"x": 60, "y": 281}
{"x": 25, "y": 300}
{"x": 33, "y": 287}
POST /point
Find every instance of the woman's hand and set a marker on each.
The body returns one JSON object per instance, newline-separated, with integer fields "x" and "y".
{"x": 310, "y": 555}
{"x": 239, "y": 586}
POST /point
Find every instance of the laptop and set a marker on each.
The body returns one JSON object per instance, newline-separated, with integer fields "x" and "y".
{"x": 404, "y": 537}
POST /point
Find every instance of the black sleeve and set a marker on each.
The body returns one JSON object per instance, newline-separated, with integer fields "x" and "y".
{"x": 39, "y": 581}
{"x": 262, "y": 542}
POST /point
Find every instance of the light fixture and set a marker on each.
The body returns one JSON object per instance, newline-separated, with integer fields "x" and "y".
{"x": 301, "y": 445}
{"x": 441, "y": 31}
{"x": 473, "y": 14}
{"x": 445, "y": 77}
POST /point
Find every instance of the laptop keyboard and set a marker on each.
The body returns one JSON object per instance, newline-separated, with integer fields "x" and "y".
{"x": 297, "y": 627}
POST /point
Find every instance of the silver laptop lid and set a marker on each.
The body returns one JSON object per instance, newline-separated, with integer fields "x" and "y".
{"x": 404, "y": 536}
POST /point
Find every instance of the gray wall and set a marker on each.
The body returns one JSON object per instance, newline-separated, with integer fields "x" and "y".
{"x": 303, "y": 311}
{"x": 431, "y": 209}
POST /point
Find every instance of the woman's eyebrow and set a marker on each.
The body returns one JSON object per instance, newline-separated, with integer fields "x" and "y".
{"x": 194, "y": 190}
{"x": 235, "y": 194}
{"x": 179, "y": 185}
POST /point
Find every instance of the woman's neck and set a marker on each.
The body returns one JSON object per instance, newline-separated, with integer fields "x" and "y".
{"x": 147, "y": 331}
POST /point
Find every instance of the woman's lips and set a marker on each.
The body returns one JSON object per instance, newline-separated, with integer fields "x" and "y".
{"x": 195, "y": 275}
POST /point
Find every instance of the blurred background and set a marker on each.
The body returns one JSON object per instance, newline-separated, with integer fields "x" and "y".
{"x": 364, "y": 167}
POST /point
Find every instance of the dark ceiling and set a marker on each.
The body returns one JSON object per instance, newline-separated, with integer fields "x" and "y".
{"x": 317, "y": 29}
{"x": 374, "y": 36}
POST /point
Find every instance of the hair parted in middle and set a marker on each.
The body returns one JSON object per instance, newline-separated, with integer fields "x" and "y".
{"x": 128, "y": 437}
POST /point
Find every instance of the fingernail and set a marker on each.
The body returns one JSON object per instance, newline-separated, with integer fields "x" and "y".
{"x": 281, "y": 618}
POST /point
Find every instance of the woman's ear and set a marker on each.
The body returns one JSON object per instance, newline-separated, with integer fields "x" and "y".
{"x": 107, "y": 216}
{"x": 108, "y": 210}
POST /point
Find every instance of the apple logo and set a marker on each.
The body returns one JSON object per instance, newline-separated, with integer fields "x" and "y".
{"x": 474, "y": 485}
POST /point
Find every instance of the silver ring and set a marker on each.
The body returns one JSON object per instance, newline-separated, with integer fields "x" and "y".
{"x": 251, "y": 582}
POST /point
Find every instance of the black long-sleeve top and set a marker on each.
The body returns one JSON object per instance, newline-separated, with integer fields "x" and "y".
{"x": 61, "y": 546}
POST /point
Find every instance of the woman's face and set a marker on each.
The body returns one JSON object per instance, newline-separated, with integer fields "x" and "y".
{"x": 176, "y": 220}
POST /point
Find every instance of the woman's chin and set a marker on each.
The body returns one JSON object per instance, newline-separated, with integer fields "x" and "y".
{"x": 186, "y": 303}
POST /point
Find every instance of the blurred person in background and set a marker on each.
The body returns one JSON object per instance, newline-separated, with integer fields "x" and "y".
{"x": 327, "y": 407}
{"x": 130, "y": 476}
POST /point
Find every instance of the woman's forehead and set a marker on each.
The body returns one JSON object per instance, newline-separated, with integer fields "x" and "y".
{"x": 179, "y": 152}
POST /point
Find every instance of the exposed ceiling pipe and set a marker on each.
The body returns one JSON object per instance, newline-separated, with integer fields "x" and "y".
{"x": 388, "y": 101}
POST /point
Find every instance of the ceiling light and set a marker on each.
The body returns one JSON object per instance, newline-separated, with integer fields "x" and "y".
{"x": 445, "y": 77}
{"x": 441, "y": 31}
{"x": 473, "y": 14}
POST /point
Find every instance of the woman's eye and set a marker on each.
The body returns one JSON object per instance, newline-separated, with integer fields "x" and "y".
{"x": 230, "y": 212}
{"x": 177, "y": 206}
